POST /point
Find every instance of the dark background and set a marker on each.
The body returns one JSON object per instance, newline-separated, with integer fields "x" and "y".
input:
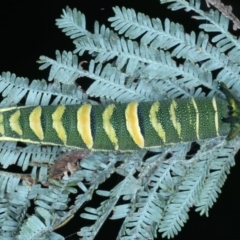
{"x": 28, "y": 30}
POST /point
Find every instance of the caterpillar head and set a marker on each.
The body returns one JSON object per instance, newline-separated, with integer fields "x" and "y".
{"x": 233, "y": 113}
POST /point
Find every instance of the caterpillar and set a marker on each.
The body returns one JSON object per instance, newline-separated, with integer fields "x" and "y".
{"x": 123, "y": 127}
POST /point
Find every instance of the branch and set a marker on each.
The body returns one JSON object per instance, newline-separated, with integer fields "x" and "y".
{"x": 226, "y": 11}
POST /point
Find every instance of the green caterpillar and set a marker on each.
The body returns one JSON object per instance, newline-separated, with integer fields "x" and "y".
{"x": 123, "y": 127}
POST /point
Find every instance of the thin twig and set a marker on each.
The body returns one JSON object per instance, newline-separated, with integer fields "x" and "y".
{"x": 226, "y": 11}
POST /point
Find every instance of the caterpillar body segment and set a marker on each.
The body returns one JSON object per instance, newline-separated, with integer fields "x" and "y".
{"x": 116, "y": 127}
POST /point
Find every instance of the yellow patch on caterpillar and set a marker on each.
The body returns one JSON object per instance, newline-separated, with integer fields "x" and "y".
{"x": 1, "y": 124}
{"x": 216, "y": 118}
{"x": 197, "y": 117}
{"x": 84, "y": 124}
{"x": 173, "y": 114}
{"x": 108, "y": 127}
{"x": 35, "y": 122}
{"x": 133, "y": 124}
{"x": 14, "y": 122}
{"x": 57, "y": 123}
{"x": 154, "y": 121}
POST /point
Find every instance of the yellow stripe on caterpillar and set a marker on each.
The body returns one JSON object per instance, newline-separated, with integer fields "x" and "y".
{"x": 57, "y": 123}
{"x": 108, "y": 127}
{"x": 14, "y": 122}
{"x": 1, "y": 124}
{"x": 35, "y": 122}
{"x": 216, "y": 115}
{"x": 84, "y": 124}
{"x": 154, "y": 121}
{"x": 197, "y": 117}
{"x": 173, "y": 114}
{"x": 132, "y": 124}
